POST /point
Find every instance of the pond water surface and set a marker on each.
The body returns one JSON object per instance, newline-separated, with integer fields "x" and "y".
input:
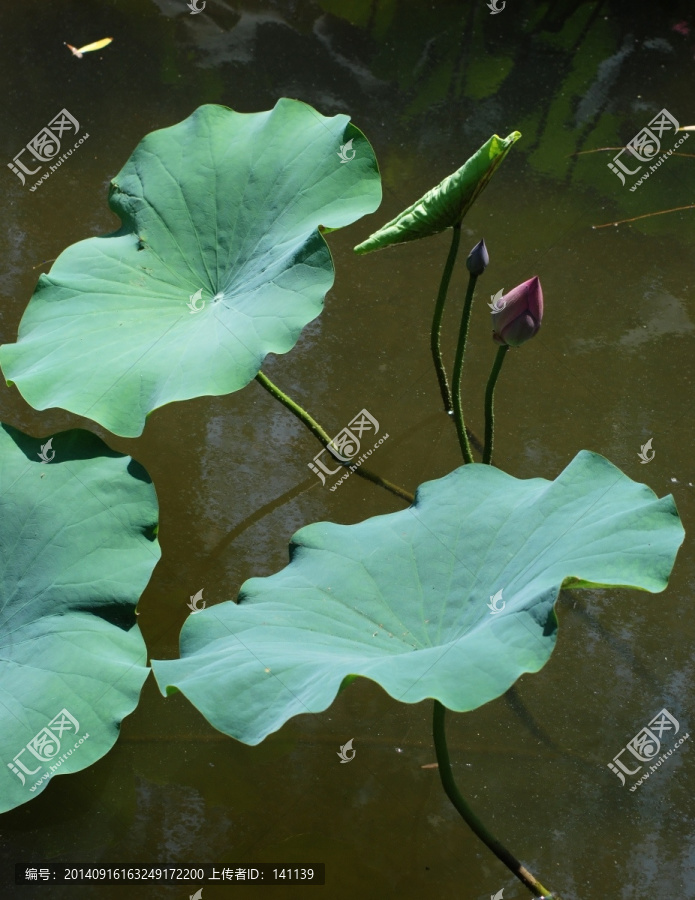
{"x": 428, "y": 83}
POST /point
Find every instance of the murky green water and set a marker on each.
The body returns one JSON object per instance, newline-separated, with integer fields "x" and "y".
{"x": 428, "y": 82}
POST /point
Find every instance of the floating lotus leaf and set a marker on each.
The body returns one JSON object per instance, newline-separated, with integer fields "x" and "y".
{"x": 219, "y": 262}
{"x": 77, "y": 548}
{"x": 446, "y": 204}
{"x": 408, "y": 599}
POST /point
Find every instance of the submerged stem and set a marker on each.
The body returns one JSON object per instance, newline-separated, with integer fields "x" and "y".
{"x": 323, "y": 437}
{"x": 489, "y": 400}
{"x": 435, "y": 337}
{"x": 458, "y": 368}
{"x": 467, "y": 814}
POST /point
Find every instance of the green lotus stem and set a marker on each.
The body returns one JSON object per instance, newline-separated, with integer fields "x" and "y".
{"x": 435, "y": 337}
{"x": 467, "y": 814}
{"x": 458, "y": 368}
{"x": 321, "y": 435}
{"x": 489, "y": 395}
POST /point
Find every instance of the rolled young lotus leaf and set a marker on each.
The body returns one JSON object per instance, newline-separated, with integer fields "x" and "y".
{"x": 445, "y": 205}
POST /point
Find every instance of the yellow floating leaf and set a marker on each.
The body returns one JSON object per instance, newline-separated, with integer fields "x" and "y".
{"x": 97, "y": 45}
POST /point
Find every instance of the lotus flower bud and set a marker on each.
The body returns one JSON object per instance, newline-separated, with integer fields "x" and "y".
{"x": 521, "y": 316}
{"x": 478, "y": 259}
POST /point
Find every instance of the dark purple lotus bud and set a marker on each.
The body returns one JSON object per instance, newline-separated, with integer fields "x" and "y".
{"x": 521, "y": 316}
{"x": 478, "y": 259}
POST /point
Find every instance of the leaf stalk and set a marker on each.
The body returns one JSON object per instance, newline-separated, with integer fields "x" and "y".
{"x": 458, "y": 369}
{"x": 469, "y": 817}
{"x": 436, "y": 333}
{"x": 489, "y": 403}
{"x": 324, "y": 439}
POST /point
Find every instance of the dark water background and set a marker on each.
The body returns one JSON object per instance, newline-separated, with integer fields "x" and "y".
{"x": 427, "y": 82}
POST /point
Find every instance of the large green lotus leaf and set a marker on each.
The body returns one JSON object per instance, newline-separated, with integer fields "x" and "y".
{"x": 406, "y": 599}
{"x": 77, "y": 548}
{"x": 219, "y": 262}
{"x": 446, "y": 204}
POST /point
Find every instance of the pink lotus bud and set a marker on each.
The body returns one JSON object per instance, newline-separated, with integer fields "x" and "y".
{"x": 521, "y": 316}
